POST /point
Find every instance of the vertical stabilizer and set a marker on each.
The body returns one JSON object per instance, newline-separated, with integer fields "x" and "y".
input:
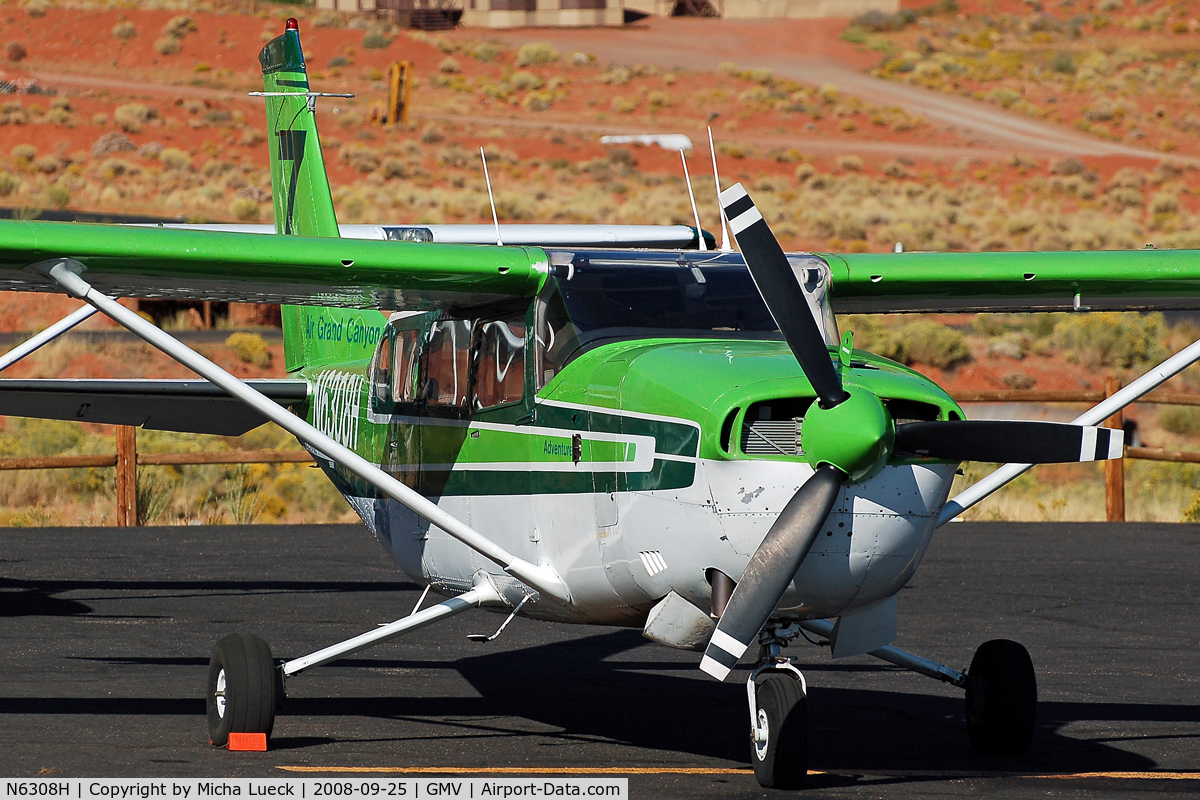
{"x": 303, "y": 204}
{"x": 299, "y": 186}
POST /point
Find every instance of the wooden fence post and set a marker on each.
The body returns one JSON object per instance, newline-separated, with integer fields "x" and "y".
{"x": 127, "y": 510}
{"x": 1114, "y": 468}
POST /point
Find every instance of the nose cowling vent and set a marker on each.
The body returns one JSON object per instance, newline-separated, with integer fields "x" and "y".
{"x": 772, "y": 437}
{"x": 772, "y": 427}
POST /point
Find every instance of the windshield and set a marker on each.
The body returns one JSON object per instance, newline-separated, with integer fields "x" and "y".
{"x": 602, "y": 296}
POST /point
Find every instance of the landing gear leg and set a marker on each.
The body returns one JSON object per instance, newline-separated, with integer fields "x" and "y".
{"x": 243, "y": 688}
{"x": 1001, "y": 698}
{"x": 779, "y": 724}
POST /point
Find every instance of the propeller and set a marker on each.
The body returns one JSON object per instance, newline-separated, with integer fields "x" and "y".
{"x": 1006, "y": 441}
{"x": 848, "y": 436}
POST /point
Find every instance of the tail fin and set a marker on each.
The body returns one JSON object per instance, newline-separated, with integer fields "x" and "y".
{"x": 299, "y": 186}
{"x": 303, "y": 203}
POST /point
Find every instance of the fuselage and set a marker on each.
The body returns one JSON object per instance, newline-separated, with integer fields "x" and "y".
{"x": 635, "y": 459}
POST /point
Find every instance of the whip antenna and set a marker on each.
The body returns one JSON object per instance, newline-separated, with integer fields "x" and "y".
{"x": 725, "y": 248}
{"x": 491, "y": 200}
{"x": 695, "y": 213}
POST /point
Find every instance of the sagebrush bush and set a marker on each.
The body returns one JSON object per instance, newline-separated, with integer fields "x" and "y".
{"x": 376, "y": 40}
{"x": 132, "y": 116}
{"x": 168, "y": 45}
{"x": 250, "y": 348}
{"x": 175, "y": 159}
{"x": 1184, "y": 420}
{"x": 1112, "y": 339}
{"x": 536, "y": 53}
{"x": 124, "y": 30}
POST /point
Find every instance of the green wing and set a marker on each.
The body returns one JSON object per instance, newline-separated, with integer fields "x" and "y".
{"x": 1100, "y": 280}
{"x": 246, "y": 267}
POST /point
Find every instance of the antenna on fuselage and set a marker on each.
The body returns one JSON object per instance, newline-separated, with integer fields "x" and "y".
{"x": 692, "y": 195}
{"x": 491, "y": 200}
{"x": 725, "y": 248}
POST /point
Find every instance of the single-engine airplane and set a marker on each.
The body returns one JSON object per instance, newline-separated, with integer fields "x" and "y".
{"x": 679, "y": 441}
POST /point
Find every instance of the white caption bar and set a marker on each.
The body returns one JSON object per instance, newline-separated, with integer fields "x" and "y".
{"x": 314, "y": 788}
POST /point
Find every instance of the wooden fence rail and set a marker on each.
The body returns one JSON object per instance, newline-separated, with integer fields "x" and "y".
{"x": 127, "y": 459}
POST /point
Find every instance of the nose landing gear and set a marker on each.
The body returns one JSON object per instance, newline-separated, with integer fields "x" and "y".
{"x": 779, "y": 724}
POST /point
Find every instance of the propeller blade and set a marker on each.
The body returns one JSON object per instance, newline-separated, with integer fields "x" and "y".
{"x": 771, "y": 569}
{"x": 781, "y": 292}
{"x": 1009, "y": 441}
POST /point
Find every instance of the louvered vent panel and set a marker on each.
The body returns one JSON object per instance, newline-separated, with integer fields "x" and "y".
{"x": 771, "y": 438}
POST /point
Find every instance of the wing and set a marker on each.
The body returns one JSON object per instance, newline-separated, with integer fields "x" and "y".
{"x": 1129, "y": 280}
{"x": 187, "y": 406}
{"x": 244, "y": 267}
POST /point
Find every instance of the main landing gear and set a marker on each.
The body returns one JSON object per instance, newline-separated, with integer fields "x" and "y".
{"x": 1000, "y": 685}
{"x": 245, "y": 687}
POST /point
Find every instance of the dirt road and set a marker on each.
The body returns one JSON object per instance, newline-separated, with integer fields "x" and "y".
{"x": 809, "y": 51}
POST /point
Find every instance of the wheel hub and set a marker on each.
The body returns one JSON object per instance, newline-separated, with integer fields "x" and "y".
{"x": 220, "y": 694}
{"x": 762, "y": 735}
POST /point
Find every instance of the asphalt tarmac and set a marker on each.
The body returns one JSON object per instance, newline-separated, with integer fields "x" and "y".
{"x": 106, "y": 636}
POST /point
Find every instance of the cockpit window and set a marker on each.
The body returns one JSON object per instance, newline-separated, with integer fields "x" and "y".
{"x": 600, "y": 296}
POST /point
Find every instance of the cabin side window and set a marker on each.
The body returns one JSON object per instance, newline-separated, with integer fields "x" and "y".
{"x": 393, "y": 371}
{"x": 446, "y": 380}
{"x": 500, "y": 364}
{"x": 404, "y": 371}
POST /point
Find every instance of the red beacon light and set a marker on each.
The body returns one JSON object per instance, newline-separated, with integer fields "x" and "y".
{"x": 292, "y": 24}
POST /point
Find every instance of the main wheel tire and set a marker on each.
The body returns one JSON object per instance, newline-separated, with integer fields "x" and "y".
{"x": 1001, "y": 698}
{"x": 242, "y": 688}
{"x": 781, "y": 762}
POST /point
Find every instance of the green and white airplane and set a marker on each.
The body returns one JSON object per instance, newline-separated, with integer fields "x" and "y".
{"x": 679, "y": 441}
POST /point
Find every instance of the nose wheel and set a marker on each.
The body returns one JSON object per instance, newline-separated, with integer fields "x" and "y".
{"x": 243, "y": 688}
{"x": 779, "y": 744}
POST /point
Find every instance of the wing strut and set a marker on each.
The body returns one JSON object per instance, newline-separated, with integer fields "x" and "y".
{"x": 45, "y": 337}
{"x": 542, "y": 577}
{"x": 1093, "y": 416}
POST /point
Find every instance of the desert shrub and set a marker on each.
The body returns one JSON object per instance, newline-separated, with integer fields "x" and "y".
{"x": 23, "y": 153}
{"x": 360, "y": 157}
{"x": 1184, "y": 420}
{"x": 924, "y": 341}
{"x": 244, "y": 209}
{"x": 124, "y": 30}
{"x": 8, "y": 184}
{"x": 250, "y": 348}
{"x": 167, "y": 45}
{"x": 850, "y": 163}
{"x": 536, "y": 53}
{"x": 58, "y": 195}
{"x": 15, "y": 51}
{"x": 149, "y": 150}
{"x": 179, "y": 27}
{"x": 132, "y": 116}
{"x": 524, "y": 81}
{"x": 538, "y": 101}
{"x": 376, "y": 40}
{"x": 175, "y": 159}
{"x": 338, "y": 61}
{"x": 47, "y": 164}
{"x": 59, "y": 116}
{"x": 449, "y": 66}
{"x": 483, "y": 51}
{"x": 1112, "y": 339}
{"x": 1009, "y": 345}
{"x": 658, "y": 100}
{"x": 432, "y": 135}
{"x": 872, "y": 335}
